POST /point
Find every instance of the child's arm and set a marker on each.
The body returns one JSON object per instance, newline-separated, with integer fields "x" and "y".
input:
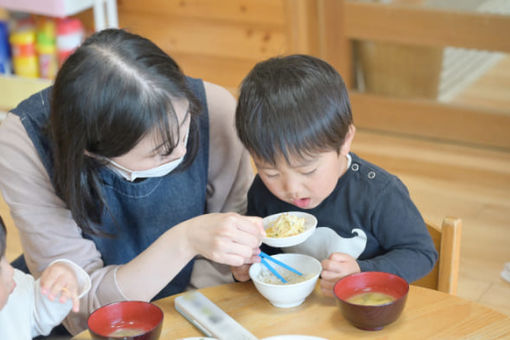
{"x": 57, "y": 291}
{"x": 334, "y": 268}
{"x": 59, "y": 280}
{"x": 241, "y": 273}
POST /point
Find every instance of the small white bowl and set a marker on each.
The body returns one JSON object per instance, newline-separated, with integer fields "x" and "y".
{"x": 282, "y": 242}
{"x": 289, "y": 294}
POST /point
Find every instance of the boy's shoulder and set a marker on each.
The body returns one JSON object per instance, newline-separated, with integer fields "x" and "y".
{"x": 371, "y": 174}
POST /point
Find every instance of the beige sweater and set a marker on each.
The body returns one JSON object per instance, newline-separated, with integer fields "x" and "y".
{"x": 48, "y": 232}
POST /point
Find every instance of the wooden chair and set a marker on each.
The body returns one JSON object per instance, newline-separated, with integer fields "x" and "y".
{"x": 444, "y": 276}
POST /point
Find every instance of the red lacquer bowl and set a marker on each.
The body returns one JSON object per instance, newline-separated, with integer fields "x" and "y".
{"x": 126, "y": 320}
{"x": 371, "y": 317}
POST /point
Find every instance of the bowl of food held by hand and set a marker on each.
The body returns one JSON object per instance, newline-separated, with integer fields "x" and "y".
{"x": 136, "y": 320}
{"x": 371, "y": 300}
{"x": 297, "y": 288}
{"x": 288, "y": 228}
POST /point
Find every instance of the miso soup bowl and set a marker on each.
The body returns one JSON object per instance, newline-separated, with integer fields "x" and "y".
{"x": 371, "y": 317}
{"x": 142, "y": 319}
{"x": 289, "y": 294}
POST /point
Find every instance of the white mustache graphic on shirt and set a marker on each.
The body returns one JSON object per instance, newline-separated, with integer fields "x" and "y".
{"x": 326, "y": 241}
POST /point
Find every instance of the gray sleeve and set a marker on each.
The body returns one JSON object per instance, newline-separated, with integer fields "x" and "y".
{"x": 47, "y": 313}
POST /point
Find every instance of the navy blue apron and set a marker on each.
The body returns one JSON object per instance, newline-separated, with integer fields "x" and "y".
{"x": 142, "y": 210}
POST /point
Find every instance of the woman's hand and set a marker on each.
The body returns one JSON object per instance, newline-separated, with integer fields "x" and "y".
{"x": 334, "y": 268}
{"x": 60, "y": 279}
{"x": 227, "y": 238}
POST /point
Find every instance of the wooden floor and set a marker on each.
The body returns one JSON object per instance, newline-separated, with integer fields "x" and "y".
{"x": 456, "y": 180}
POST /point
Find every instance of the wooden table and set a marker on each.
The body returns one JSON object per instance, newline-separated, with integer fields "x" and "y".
{"x": 428, "y": 314}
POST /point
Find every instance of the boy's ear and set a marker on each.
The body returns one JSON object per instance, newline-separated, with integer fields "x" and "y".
{"x": 349, "y": 137}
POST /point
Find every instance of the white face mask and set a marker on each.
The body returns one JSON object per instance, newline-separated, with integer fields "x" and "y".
{"x": 159, "y": 171}
{"x": 131, "y": 175}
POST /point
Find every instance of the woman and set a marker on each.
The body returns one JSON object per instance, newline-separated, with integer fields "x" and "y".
{"x": 123, "y": 167}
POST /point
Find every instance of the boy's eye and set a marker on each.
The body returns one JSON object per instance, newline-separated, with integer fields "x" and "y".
{"x": 308, "y": 173}
{"x": 271, "y": 175}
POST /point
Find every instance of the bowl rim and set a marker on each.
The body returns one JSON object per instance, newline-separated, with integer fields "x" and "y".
{"x": 403, "y": 296}
{"x": 256, "y": 279}
{"x": 109, "y": 305}
{"x": 289, "y": 241}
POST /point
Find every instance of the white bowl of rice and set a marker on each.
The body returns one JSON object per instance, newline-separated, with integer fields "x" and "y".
{"x": 297, "y": 289}
{"x": 288, "y": 229}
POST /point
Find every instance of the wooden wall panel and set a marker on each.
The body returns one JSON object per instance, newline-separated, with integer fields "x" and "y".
{"x": 302, "y": 26}
{"x": 260, "y": 12}
{"x": 218, "y": 41}
{"x": 203, "y": 38}
{"x": 352, "y": 21}
{"x": 426, "y": 26}
{"x": 334, "y": 46}
{"x": 446, "y": 123}
{"x": 227, "y": 72}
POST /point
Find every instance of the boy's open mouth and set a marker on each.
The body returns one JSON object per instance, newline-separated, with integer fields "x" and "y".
{"x": 301, "y": 202}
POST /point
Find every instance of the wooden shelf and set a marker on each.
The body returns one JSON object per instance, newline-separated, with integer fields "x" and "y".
{"x": 15, "y": 89}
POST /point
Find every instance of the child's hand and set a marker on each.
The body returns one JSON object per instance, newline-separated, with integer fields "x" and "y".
{"x": 241, "y": 273}
{"x": 334, "y": 268}
{"x": 60, "y": 279}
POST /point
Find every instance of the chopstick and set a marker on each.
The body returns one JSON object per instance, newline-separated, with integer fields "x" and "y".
{"x": 268, "y": 266}
{"x": 286, "y": 266}
{"x": 264, "y": 256}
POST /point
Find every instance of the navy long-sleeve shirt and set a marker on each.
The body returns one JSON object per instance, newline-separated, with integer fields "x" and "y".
{"x": 369, "y": 215}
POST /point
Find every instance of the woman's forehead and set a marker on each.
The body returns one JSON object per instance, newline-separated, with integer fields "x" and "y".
{"x": 153, "y": 139}
{"x": 181, "y": 106}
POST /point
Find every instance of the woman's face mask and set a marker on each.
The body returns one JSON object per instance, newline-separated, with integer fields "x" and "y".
{"x": 159, "y": 171}
{"x": 145, "y": 161}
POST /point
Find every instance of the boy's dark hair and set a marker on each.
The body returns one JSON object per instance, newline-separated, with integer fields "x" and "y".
{"x": 3, "y": 236}
{"x": 295, "y": 105}
{"x": 109, "y": 94}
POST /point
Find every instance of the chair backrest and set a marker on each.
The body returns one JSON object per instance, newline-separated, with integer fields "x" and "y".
{"x": 444, "y": 276}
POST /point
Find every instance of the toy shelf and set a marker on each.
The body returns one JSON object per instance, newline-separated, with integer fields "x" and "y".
{"x": 53, "y": 8}
{"x": 105, "y": 11}
{"x": 14, "y": 89}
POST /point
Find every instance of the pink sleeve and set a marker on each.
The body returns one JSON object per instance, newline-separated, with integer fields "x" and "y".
{"x": 46, "y": 228}
{"x": 230, "y": 177}
{"x": 230, "y": 171}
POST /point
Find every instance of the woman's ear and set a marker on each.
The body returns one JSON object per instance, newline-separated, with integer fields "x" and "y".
{"x": 346, "y": 147}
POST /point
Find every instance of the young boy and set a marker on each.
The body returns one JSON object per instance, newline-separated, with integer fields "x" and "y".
{"x": 294, "y": 117}
{"x": 29, "y": 308}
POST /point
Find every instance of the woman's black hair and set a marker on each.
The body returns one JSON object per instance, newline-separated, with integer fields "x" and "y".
{"x": 3, "y": 237}
{"x": 115, "y": 89}
{"x": 292, "y": 106}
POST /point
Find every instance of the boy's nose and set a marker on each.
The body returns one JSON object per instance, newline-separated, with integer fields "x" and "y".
{"x": 292, "y": 188}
